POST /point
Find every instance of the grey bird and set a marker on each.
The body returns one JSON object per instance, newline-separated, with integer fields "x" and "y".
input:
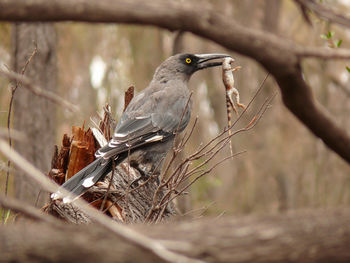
{"x": 147, "y": 128}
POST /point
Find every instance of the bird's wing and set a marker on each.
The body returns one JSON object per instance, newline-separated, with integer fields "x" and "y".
{"x": 146, "y": 124}
{"x": 132, "y": 134}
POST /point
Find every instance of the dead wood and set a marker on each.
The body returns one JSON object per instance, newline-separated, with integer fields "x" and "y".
{"x": 129, "y": 94}
{"x": 82, "y": 150}
{"x": 124, "y": 204}
{"x": 115, "y": 195}
{"x": 60, "y": 160}
{"x": 318, "y": 236}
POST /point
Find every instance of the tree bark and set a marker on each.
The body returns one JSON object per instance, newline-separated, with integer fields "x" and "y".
{"x": 322, "y": 236}
{"x": 34, "y": 116}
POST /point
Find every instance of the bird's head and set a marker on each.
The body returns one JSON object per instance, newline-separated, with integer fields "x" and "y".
{"x": 187, "y": 64}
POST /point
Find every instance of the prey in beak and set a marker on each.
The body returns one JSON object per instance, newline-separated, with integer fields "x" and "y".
{"x": 206, "y": 60}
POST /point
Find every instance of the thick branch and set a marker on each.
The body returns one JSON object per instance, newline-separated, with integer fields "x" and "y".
{"x": 280, "y": 57}
{"x": 301, "y": 237}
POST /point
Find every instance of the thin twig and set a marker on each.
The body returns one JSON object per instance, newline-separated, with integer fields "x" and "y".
{"x": 26, "y": 209}
{"x": 182, "y": 173}
{"x": 108, "y": 188}
{"x": 13, "y": 90}
{"x": 38, "y": 91}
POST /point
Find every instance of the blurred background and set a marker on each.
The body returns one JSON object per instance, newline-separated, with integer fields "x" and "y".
{"x": 285, "y": 166}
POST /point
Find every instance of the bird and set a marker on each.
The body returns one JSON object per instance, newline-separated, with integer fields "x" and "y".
{"x": 146, "y": 130}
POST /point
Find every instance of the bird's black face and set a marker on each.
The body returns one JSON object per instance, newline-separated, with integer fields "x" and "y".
{"x": 194, "y": 62}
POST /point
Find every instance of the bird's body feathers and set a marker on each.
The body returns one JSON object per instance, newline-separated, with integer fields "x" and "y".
{"x": 147, "y": 127}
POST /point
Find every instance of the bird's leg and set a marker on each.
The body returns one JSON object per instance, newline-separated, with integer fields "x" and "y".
{"x": 136, "y": 181}
{"x": 144, "y": 174}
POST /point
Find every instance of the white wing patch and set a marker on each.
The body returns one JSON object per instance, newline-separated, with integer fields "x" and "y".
{"x": 113, "y": 143}
{"x": 155, "y": 138}
{"x": 120, "y": 134}
{"x": 141, "y": 117}
{"x": 88, "y": 182}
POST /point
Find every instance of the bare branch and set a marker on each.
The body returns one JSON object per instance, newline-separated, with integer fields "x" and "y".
{"x": 26, "y": 209}
{"x": 322, "y": 53}
{"x": 38, "y": 91}
{"x": 325, "y": 12}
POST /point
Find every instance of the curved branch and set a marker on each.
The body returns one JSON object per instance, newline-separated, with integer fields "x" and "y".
{"x": 280, "y": 57}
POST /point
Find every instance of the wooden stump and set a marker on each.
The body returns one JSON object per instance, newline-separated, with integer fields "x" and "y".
{"x": 115, "y": 195}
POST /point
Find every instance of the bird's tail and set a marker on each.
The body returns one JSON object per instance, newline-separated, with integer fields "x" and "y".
{"x": 84, "y": 179}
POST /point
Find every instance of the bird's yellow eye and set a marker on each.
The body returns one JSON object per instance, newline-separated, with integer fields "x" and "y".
{"x": 188, "y": 60}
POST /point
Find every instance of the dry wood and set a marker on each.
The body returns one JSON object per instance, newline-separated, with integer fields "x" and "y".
{"x": 318, "y": 236}
{"x": 113, "y": 195}
{"x": 82, "y": 150}
{"x": 129, "y": 94}
{"x": 60, "y": 160}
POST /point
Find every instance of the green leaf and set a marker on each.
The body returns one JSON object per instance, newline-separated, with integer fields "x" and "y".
{"x": 323, "y": 36}
{"x": 7, "y": 215}
{"x": 330, "y": 34}
{"x": 348, "y": 69}
{"x": 339, "y": 42}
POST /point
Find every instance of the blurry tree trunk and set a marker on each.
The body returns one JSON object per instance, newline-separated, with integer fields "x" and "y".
{"x": 34, "y": 116}
{"x": 272, "y": 16}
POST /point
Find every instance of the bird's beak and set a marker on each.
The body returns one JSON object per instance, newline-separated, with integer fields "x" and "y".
{"x": 205, "y": 60}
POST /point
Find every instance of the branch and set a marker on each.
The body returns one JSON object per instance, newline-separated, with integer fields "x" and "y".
{"x": 322, "y": 53}
{"x": 27, "y": 210}
{"x": 318, "y": 236}
{"x": 26, "y": 83}
{"x": 280, "y": 57}
{"x": 324, "y": 12}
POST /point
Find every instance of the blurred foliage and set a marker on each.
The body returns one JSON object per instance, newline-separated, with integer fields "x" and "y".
{"x": 285, "y": 167}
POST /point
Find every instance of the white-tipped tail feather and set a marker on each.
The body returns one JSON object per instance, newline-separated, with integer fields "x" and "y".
{"x": 83, "y": 180}
{"x": 56, "y": 195}
{"x": 88, "y": 182}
